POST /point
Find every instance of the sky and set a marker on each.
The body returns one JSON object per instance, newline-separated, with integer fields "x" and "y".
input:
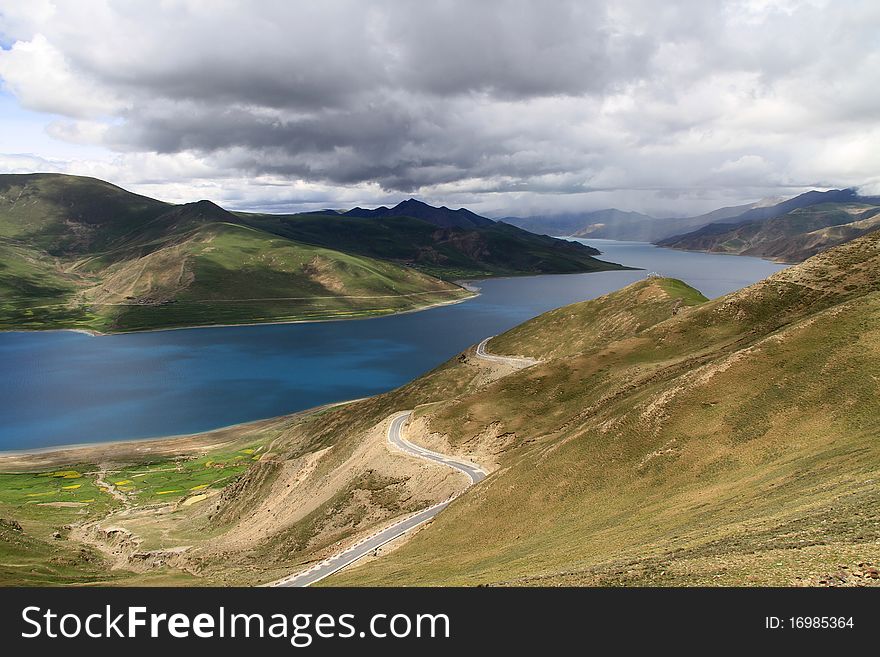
{"x": 508, "y": 108}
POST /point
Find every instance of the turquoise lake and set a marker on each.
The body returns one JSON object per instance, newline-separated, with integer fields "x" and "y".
{"x": 62, "y": 387}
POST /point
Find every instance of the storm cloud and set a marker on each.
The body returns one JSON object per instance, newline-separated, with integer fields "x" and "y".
{"x": 507, "y": 106}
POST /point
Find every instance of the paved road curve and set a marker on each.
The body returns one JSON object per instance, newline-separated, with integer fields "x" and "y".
{"x": 367, "y": 546}
{"x": 509, "y": 360}
{"x": 372, "y": 543}
{"x": 472, "y": 470}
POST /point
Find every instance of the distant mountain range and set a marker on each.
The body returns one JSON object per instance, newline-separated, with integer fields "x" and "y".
{"x": 573, "y": 222}
{"x": 616, "y": 224}
{"x": 790, "y": 231}
{"x": 82, "y": 253}
{"x": 450, "y": 244}
{"x": 78, "y": 252}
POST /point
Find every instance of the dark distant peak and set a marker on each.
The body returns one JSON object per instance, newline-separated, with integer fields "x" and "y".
{"x": 442, "y": 217}
{"x": 203, "y": 207}
{"x": 203, "y": 204}
{"x": 831, "y": 196}
{"x": 199, "y": 212}
{"x": 414, "y": 205}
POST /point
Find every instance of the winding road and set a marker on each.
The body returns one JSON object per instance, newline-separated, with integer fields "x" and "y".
{"x": 372, "y": 543}
{"x": 472, "y": 470}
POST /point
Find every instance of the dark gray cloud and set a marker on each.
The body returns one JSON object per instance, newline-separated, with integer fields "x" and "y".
{"x": 468, "y": 100}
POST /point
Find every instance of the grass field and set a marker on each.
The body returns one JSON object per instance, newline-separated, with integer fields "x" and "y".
{"x": 35, "y": 506}
{"x": 41, "y": 509}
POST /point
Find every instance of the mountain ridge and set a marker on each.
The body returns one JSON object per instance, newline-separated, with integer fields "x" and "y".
{"x": 451, "y": 252}
{"x": 439, "y": 216}
{"x": 790, "y": 231}
{"x": 612, "y": 223}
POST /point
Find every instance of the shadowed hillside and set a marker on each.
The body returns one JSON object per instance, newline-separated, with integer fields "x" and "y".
{"x": 442, "y": 217}
{"x": 449, "y": 252}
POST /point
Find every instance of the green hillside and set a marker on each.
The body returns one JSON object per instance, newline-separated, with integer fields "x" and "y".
{"x": 228, "y": 274}
{"x": 62, "y": 214}
{"x": 81, "y": 253}
{"x": 573, "y": 329}
{"x": 731, "y": 442}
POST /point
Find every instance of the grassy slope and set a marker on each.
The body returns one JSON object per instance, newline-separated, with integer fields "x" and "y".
{"x": 30, "y": 555}
{"x": 47, "y": 219}
{"x": 81, "y": 253}
{"x": 364, "y": 495}
{"x": 602, "y": 320}
{"x": 62, "y": 214}
{"x": 792, "y": 237}
{"x": 448, "y": 253}
{"x": 733, "y": 443}
{"x": 223, "y": 273}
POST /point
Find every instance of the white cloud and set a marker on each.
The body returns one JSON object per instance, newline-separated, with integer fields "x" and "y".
{"x": 42, "y": 79}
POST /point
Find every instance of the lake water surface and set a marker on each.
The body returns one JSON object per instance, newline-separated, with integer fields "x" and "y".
{"x": 61, "y": 387}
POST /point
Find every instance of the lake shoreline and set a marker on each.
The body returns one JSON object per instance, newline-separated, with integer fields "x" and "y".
{"x": 85, "y": 451}
{"x": 463, "y": 283}
{"x": 97, "y": 334}
{"x": 775, "y": 261}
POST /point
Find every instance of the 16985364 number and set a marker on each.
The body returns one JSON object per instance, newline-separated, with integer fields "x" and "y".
{"x": 820, "y": 622}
